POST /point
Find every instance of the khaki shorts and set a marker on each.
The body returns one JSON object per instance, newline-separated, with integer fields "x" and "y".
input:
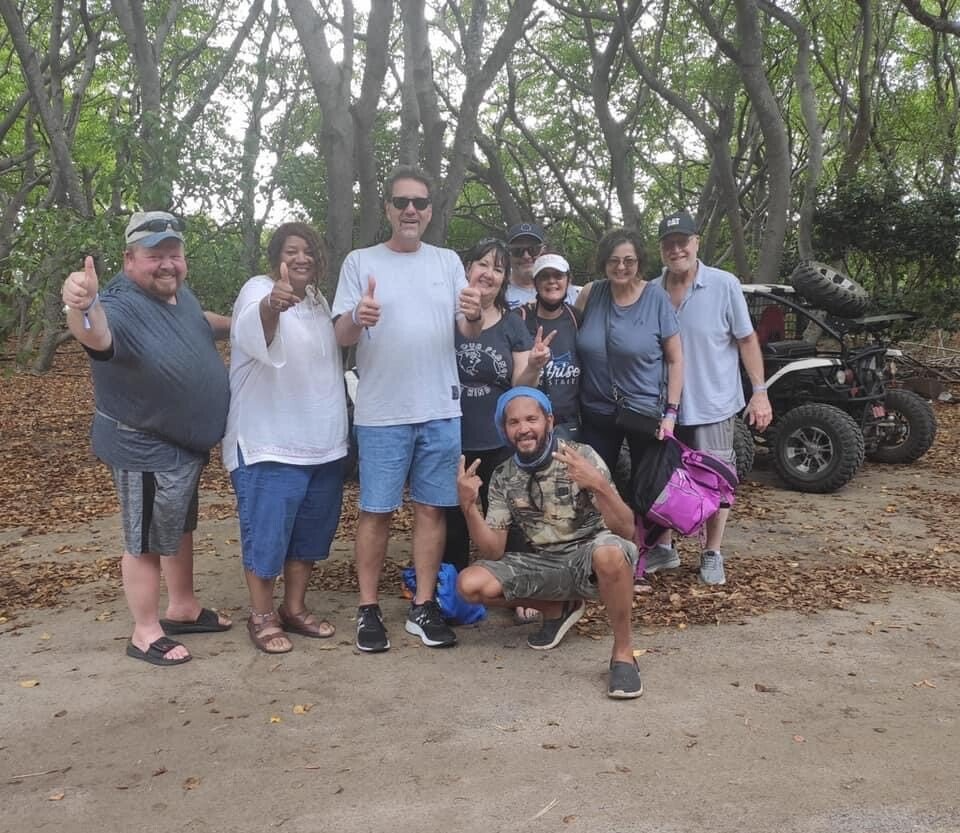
{"x": 555, "y": 578}
{"x": 715, "y": 438}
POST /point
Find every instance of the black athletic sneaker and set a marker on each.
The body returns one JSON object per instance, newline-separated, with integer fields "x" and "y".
{"x": 371, "y": 634}
{"x": 426, "y": 621}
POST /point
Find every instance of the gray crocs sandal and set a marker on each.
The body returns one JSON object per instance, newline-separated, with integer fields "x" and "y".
{"x": 625, "y": 682}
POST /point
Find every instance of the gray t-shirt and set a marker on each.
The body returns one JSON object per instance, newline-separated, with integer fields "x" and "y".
{"x": 622, "y": 347}
{"x": 486, "y": 371}
{"x": 406, "y": 364}
{"x": 161, "y": 389}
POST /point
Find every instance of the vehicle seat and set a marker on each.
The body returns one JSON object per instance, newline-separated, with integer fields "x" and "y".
{"x": 789, "y": 349}
{"x": 772, "y": 325}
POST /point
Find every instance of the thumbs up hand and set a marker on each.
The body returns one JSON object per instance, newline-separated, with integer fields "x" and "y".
{"x": 282, "y": 296}
{"x": 470, "y": 303}
{"x": 367, "y": 312}
{"x": 80, "y": 288}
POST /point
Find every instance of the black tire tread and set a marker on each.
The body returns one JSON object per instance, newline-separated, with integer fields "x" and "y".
{"x": 848, "y": 441}
{"x": 743, "y": 448}
{"x": 922, "y": 423}
{"x": 829, "y": 289}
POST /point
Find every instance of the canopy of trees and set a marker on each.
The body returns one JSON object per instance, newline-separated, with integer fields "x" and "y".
{"x": 792, "y": 130}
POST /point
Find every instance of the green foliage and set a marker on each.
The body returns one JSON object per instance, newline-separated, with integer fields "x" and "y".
{"x": 904, "y": 247}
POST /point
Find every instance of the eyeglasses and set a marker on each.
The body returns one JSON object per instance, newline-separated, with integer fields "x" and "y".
{"x": 533, "y": 250}
{"x": 628, "y": 262}
{"x": 160, "y": 224}
{"x": 401, "y": 203}
{"x": 675, "y": 242}
{"x": 545, "y": 275}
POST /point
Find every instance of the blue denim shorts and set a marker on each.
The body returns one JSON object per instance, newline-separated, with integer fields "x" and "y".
{"x": 426, "y": 454}
{"x": 286, "y": 512}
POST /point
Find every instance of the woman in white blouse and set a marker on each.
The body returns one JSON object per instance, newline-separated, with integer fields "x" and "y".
{"x": 286, "y": 434}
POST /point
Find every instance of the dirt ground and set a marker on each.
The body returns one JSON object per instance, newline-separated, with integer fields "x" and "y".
{"x": 820, "y": 722}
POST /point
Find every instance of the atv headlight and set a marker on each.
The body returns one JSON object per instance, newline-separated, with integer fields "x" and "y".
{"x": 841, "y": 376}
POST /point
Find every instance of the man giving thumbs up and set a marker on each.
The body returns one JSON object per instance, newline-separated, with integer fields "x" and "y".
{"x": 161, "y": 395}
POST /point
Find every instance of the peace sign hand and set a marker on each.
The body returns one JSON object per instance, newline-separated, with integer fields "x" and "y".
{"x": 580, "y": 470}
{"x": 540, "y": 352}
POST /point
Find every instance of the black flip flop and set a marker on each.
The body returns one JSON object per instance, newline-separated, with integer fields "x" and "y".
{"x": 155, "y": 654}
{"x": 206, "y": 622}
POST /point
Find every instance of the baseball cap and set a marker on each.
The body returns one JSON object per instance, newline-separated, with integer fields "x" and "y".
{"x": 677, "y": 223}
{"x": 525, "y": 230}
{"x": 550, "y": 261}
{"x": 148, "y": 228}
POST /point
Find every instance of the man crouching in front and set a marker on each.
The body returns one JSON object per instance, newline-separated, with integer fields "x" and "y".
{"x": 562, "y": 497}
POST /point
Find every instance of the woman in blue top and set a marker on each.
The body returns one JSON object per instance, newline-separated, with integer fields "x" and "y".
{"x": 630, "y": 353}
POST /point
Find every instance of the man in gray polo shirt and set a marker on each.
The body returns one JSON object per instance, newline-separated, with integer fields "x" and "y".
{"x": 161, "y": 393}
{"x": 717, "y": 335}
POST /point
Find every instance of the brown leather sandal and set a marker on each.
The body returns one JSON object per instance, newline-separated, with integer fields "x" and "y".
{"x": 260, "y": 622}
{"x": 305, "y": 624}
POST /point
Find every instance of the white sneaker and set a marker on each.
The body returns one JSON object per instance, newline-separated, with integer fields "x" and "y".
{"x": 711, "y": 567}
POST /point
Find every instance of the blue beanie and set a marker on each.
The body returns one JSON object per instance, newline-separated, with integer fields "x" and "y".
{"x": 506, "y": 398}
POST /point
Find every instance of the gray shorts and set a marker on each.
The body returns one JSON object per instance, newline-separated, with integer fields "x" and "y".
{"x": 157, "y": 507}
{"x": 716, "y": 438}
{"x": 555, "y": 578}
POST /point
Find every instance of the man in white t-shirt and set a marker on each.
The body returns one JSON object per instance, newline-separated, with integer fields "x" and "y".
{"x": 525, "y": 242}
{"x": 399, "y": 302}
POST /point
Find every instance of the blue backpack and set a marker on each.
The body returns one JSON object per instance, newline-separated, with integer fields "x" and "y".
{"x": 452, "y": 605}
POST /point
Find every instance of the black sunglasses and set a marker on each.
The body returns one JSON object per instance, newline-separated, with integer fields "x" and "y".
{"x": 401, "y": 203}
{"x": 160, "y": 224}
{"x": 533, "y": 250}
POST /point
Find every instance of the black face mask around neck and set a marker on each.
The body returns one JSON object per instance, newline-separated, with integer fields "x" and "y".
{"x": 549, "y": 306}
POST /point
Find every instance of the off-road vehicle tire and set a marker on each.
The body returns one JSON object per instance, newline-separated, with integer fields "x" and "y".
{"x": 743, "y": 448}
{"x": 916, "y": 418}
{"x": 829, "y": 289}
{"x": 817, "y": 448}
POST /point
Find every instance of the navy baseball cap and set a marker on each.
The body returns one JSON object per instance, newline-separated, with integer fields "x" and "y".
{"x": 677, "y": 223}
{"x": 525, "y": 230}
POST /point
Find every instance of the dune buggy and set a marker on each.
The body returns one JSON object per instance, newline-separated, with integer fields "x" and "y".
{"x": 831, "y": 382}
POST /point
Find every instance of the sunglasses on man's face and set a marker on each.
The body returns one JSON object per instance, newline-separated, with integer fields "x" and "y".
{"x": 533, "y": 250}
{"x": 160, "y": 224}
{"x": 401, "y": 203}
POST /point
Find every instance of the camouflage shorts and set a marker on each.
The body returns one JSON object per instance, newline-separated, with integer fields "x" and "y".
{"x": 529, "y": 575}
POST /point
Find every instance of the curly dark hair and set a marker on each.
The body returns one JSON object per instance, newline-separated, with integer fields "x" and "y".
{"x": 501, "y": 259}
{"x": 614, "y": 238}
{"x": 314, "y": 242}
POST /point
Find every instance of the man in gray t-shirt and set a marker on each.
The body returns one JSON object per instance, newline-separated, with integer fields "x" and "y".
{"x": 161, "y": 394}
{"x": 399, "y": 302}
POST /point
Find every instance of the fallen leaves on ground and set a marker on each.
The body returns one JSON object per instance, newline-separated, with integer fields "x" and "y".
{"x": 49, "y": 482}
